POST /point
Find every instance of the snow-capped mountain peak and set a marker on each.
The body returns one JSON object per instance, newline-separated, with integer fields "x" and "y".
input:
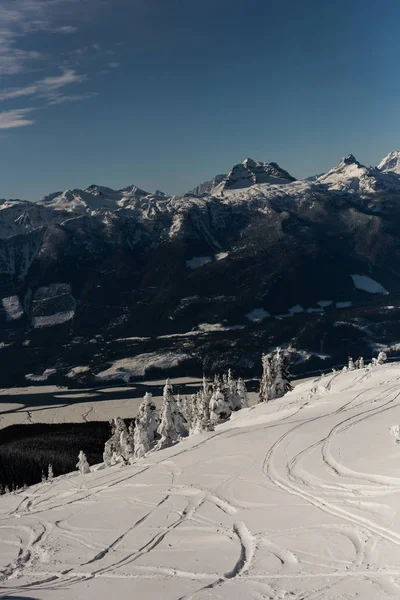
{"x": 350, "y": 176}
{"x": 391, "y": 163}
{"x": 133, "y": 191}
{"x": 350, "y": 159}
{"x": 251, "y": 172}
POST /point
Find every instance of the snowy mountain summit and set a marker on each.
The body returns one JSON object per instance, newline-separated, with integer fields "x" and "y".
{"x": 350, "y": 176}
{"x": 290, "y": 499}
{"x": 251, "y": 172}
{"x": 391, "y": 163}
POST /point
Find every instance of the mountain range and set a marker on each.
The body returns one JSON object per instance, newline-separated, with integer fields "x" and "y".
{"x": 209, "y": 278}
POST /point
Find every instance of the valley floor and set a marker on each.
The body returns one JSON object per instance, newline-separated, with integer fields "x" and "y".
{"x": 298, "y": 498}
{"x": 53, "y": 404}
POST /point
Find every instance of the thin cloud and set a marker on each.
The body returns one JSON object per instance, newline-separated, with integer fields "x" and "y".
{"x": 113, "y": 65}
{"x": 19, "y": 18}
{"x": 11, "y": 119}
{"x": 66, "y": 29}
{"x": 48, "y": 87}
{"x": 77, "y": 98}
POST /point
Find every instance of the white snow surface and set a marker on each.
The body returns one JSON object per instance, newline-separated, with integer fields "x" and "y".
{"x": 257, "y": 314}
{"x": 324, "y": 303}
{"x": 367, "y": 284}
{"x": 297, "y": 498}
{"x": 12, "y": 307}
{"x": 140, "y": 364}
{"x": 198, "y": 261}
{"x": 51, "y": 320}
{"x": 296, "y": 309}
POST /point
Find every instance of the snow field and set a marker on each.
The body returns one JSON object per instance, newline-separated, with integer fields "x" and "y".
{"x": 296, "y": 498}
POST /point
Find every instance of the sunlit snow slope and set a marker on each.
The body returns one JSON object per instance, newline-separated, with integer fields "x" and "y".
{"x": 299, "y": 498}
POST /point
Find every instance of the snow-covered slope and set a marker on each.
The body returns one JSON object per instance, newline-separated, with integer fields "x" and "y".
{"x": 391, "y": 163}
{"x": 298, "y": 498}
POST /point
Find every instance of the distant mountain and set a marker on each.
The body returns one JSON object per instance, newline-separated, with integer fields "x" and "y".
{"x": 208, "y": 186}
{"x": 250, "y": 172}
{"x": 313, "y": 177}
{"x": 260, "y": 259}
{"x": 391, "y": 163}
{"x": 352, "y": 177}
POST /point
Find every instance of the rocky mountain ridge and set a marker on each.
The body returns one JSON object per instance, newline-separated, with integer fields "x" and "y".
{"x": 258, "y": 259}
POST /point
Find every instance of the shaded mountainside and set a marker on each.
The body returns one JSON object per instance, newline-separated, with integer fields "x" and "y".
{"x": 91, "y": 277}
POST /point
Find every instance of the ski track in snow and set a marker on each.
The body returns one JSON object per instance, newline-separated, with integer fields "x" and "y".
{"x": 238, "y": 513}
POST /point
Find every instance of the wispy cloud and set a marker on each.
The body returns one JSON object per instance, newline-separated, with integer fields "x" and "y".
{"x": 113, "y": 65}
{"x": 76, "y": 98}
{"x": 19, "y": 18}
{"x": 66, "y": 29}
{"x": 47, "y": 88}
{"x": 12, "y": 119}
{"x": 20, "y": 22}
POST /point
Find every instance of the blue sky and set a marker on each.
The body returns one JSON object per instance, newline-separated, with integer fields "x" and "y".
{"x": 166, "y": 93}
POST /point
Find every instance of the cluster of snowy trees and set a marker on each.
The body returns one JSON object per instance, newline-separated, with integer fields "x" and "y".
{"x": 359, "y": 363}
{"x": 179, "y": 417}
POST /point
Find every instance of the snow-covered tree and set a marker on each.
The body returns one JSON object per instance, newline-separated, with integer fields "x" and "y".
{"x": 361, "y": 362}
{"x": 382, "y": 358}
{"x": 181, "y": 421}
{"x": 147, "y": 422}
{"x": 201, "y": 418}
{"x": 82, "y": 463}
{"x": 395, "y": 432}
{"x": 275, "y": 381}
{"x": 234, "y": 398}
{"x": 115, "y": 446}
{"x": 171, "y": 427}
{"x": 282, "y": 381}
{"x": 242, "y": 393}
{"x": 50, "y": 474}
{"x": 127, "y": 443}
{"x": 188, "y": 411}
{"x": 220, "y": 406}
{"x": 351, "y": 365}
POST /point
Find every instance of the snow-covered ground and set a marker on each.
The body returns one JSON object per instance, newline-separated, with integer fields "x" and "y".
{"x": 298, "y": 498}
{"x": 53, "y": 404}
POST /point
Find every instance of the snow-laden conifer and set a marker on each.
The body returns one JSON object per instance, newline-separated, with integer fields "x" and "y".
{"x": 234, "y": 398}
{"x": 147, "y": 422}
{"x": 220, "y": 406}
{"x": 50, "y": 474}
{"x": 126, "y": 443}
{"x": 275, "y": 381}
{"x": 395, "y": 432}
{"x": 171, "y": 426}
{"x": 382, "y": 358}
{"x": 201, "y": 415}
{"x": 351, "y": 365}
{"x": 113, "y": 448}
{"x": 82, "y": 463}
{"x": 267, "y": 378}
{"x": 242, "y": 393}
